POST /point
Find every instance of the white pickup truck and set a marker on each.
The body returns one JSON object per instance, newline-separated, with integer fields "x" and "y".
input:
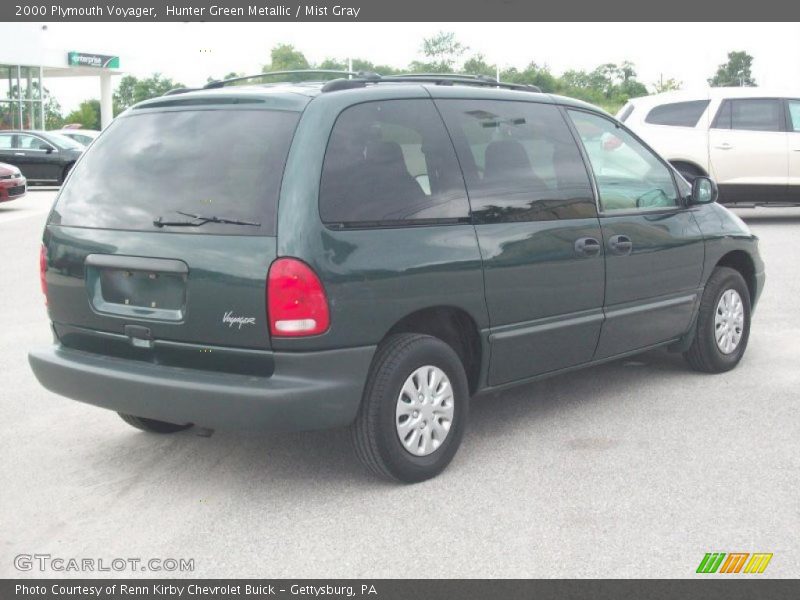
{"x": 747, "y": 139}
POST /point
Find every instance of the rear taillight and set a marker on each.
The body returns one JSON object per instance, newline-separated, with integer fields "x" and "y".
{"x": 43, "y": 270}
{"x": 296, "y": 301}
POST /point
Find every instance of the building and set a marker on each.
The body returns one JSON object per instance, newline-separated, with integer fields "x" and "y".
{"x": 29, "y": 57}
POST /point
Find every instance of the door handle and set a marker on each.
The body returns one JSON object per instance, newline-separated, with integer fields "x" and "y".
{"x": 724, "y": 146}
{"x": 587, "y": 246}
{"x": 19, "y": 154}
{"x": 620, "y": 244}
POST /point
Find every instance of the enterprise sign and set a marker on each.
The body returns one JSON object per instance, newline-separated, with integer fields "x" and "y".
{"x": 99, "y": 61}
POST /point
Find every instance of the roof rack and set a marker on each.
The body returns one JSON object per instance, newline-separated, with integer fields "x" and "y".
{"x": 180, "y": 90}
{"x": 224, "y": 82}
{"x": 351, "y": 79}
{"x": 434, "y": 78}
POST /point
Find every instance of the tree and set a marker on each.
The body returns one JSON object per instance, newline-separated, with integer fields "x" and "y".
{"x": 87, "y": 115}
{"x": 734, "y": 73}
{"x": 132, "y": 90}
{"x": 668, "y": 85}
{"x": 477, "y": 65}
{"x": 442, "y": 52}
{"x": 284, "y": 57}
{"x": 533, "y": 74}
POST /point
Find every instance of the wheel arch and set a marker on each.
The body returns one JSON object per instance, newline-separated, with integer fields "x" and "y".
{"x": 692, "y": 164}
{"x": 454, "y": 326}
{"x": 741, "y": 261}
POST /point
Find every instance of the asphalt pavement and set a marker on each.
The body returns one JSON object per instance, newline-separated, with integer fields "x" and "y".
{"x": 632, "y": 469}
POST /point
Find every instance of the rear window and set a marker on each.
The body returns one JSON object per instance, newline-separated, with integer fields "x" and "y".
{"x": 221, "y": 163}
{"x": 677, "y": 114}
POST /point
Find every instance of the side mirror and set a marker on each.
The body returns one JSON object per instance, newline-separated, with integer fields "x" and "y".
{"x": 49, "y": 149}
{"x": 704, "y": 191}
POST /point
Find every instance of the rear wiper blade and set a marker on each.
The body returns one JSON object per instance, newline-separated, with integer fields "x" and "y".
{"x": 200, "y": 220}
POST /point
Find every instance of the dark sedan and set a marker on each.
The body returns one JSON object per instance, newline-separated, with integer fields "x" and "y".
{"x": 41, "y": 156}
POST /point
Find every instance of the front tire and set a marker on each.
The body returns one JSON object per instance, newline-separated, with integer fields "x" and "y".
{"x": 152, "y": 425}
{"x": 414, "y": 409}
{"x": 723, "y": 323}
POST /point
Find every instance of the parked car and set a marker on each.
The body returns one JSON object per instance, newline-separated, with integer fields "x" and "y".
{"x": 82, "y": 136}
{"x": 12, "y": 183}
{"x": 372, "y": 252}
{"x": 747, "y": 138}
{"x": 42, "y": 156}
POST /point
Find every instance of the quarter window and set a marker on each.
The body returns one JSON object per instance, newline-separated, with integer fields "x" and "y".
{"x": 520, "y": 161}
{"x": 794, "y": 114}
{"x": 750, "y": 114}
{"x": 629, "y": 176}
{"x": 677, "y": 114}
{"x": 391, "y": 162}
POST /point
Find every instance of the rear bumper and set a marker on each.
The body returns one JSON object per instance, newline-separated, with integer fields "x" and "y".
{"x": 309, "y": 390}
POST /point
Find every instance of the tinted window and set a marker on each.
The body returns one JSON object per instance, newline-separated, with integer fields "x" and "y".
{"x": 794, "y": 114}
{"x": 65, "y": 142}
{"x": 390, "y": 162}
{"x": 520, "y": 161}
{"x": 750, "y": 114}
{"x": 5, "y": 141}
{"x": 629, "y": 176}
{"x": 224, "y": 163}
{"x": 30, "y": 142}
{"x": 679, "y": 114}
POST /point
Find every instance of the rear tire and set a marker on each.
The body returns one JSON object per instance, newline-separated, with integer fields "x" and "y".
{"x": 414, "y": 409}
{"x": 723, "y": 323}
{"x": 151, "y": 425}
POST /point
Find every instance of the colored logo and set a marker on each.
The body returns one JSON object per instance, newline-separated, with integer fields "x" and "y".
{"x": 734, "y": 562}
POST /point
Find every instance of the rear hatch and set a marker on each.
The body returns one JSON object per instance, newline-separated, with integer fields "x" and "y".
{"x": 163, "y": 235}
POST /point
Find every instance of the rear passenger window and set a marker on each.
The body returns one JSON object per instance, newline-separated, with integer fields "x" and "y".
{"x": 520, "y": 161}
{"x": 391, "y": 162}
{"x": 677, "y": 114}
{"x": 750, "y": 114}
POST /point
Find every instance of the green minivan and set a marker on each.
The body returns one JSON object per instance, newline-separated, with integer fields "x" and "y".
{"x": 372, "y": 252}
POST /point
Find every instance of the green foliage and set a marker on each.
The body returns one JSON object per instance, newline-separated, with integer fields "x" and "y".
{"x": 734, "y": 73}
{"x": 669, "y": 85}
{"x": 87, "y": 114}
{"x": 284, "y": 57}
{"x": 442, "y": 54}
{"x": 132, "y": 90}
{"x": 609, "y": 85}
{"x": 477, "y": 65}
{"x": 533, "y": 74}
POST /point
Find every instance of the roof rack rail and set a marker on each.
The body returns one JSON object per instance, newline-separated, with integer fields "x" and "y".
{"x": 451, "y": 78}
{"x": 180, "y": 90}
{"x": 223, "y": 82}
{"x": 434, "y": 78}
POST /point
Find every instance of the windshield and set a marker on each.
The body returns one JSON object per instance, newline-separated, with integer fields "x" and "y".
{"x": 225, "y": 163}
{"x": 64, "y": 142}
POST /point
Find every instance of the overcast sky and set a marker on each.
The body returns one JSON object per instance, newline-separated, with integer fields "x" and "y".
{"x": 190, "y": 52}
